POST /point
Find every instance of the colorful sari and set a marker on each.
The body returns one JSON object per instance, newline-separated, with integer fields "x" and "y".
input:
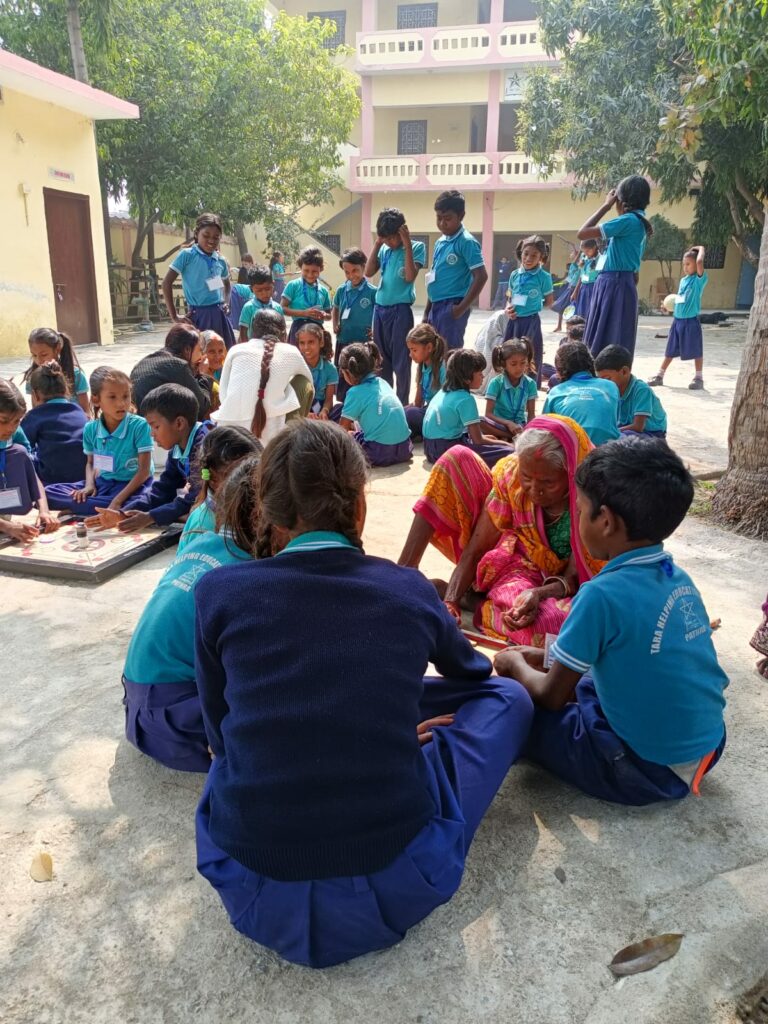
{"x": 760, "y": 639}
{"x": 460, "y": 486}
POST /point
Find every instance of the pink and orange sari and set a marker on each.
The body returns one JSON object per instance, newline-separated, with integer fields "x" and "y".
{"x": 461, "y": 485}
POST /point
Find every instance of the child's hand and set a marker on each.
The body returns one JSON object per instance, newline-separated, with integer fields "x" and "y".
{"x": 454, "y": 609}
{"x": 457, "y": 312}
{"x": 404, "y": 234}
{"x": 315, "y": 313}
{"x": 511, "y": 312}
{"x": 611, "y": 197}
{"x": 513, "y": 428}
{"x": 83, "y": 493}
{"x": 23, "y": 532}
{"x": 48, "y": 523}
{"x": 132, "y": 522}
{"x": 423, "y": 729}
{"x": 312, "y": 416}
{"x": 323, "y": 414}
{"x": 105, "y": 519}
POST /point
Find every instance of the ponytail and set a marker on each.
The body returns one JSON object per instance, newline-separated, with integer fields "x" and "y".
{"x": 63, "y": 352}
{"x": 49, "y": 381}
{"x": 237, "y": 504}
{"x": 259, "y": 414}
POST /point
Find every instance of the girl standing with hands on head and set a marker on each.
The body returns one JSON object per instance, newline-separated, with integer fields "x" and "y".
{"x": 510, "y": 400}
{"x": 530, "y": 289}
{"x": 612, "y": 316}
{"x": 317, "y": 348}
{"x": 47, "y": 345}
{"x": 204, "y": 278}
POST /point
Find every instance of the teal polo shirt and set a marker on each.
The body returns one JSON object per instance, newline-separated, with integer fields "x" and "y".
{"x": 691, "y": 288}
{"x": 641, "y": 629}
{"x": 588, "y": 271}
{"x": 123, "y": 447}
{"x": 626, "y": 242}
{"x": 355, "y": 306}
{"x": 641, "y": 400}
{"x": 393, "y": 288}
{"x": 591, "y": 401}
{"x": 323, "y": 374}
{"x": 301, "y": 295}
{"x": 428, "y": 387}
{"x": 196, "y": 268}
{"x": 81, "y": 383}
{"x": 254, "y": 306}
{"x": 531, "y": 285}
{"x": 449, "y": 414}
{"x": 511, "y": 402}
{"x": 202, "y": 519}
{"x": 162, "y": 648}
{"x": 453, "y": 260}
{"x": 572, "y": 276}
{"x": 19, "y": 437}
{"x": 376, "y": 407}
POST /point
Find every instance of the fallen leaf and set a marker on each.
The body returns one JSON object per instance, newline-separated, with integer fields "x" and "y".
{"x": 41, "y": 869}
{"x": 560, "y": 874}
{"x": 645, "y": 955}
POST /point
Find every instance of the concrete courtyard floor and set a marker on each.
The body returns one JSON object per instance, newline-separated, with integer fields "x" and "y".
{"x": 127, "y": 931}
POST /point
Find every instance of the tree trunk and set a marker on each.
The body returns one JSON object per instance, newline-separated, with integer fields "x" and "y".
{"x": 240, "y": 236}
{"x": 74, "y": 28}
{"x": 741, "y": 498}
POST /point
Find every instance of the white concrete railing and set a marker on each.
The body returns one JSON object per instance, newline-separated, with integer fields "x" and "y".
{"x": 459, "y": 170}
{"x": 496, "y": 45}
{"x": 467, "y": 168}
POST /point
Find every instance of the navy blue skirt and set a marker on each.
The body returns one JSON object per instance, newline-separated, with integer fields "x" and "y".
{"x": 165, "y": 722}
{"x": 562, "y": 297}
{"x": 529, "y": 327}
{"x": 213, "y": 318}
{"x": 584, "y": 299}
{"x": 685, "y": 339}
{"x": 612, "y": 318}
{"x": 385, "y": 454}
{"x": 489, "y": 453}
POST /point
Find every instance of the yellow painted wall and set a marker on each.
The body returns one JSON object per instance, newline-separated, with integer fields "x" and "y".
{"x": 301, "y": 8}
{"x": 449, "y": 12}
{"x": 34, "y": 137}
{"x": 420, "y": 88}
{"x": 447, "y": 128}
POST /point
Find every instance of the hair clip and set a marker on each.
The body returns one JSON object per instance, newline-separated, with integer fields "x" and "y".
{"x": 205, "y": 474}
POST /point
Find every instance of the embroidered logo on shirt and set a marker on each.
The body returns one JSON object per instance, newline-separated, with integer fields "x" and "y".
{"x": 401, "y": 273}
{"x": 451, "y": 259}
{"x": 132, "y": 464}
{"x": 365, "y": 303}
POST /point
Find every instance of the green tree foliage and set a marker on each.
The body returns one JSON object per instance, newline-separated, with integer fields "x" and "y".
{"x": 667, "y": 245}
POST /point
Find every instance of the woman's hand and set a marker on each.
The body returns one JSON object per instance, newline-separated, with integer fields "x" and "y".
{"x": 424, "y": 729}
{"x": 454, "y": 609}
{"x": 523, "y": 612}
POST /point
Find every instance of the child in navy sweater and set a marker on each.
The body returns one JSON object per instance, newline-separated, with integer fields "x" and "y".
{"x": 54, "y": 426}
{"x": 20, "y": 489}
{"x": 345, "y": 788}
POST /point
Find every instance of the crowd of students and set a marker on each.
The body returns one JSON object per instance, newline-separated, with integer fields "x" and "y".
{"x": 329, "y": 825}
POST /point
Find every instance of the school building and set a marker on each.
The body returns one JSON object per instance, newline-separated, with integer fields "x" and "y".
{"x": 53, "y": 266}
{"x": 441, "y": 85}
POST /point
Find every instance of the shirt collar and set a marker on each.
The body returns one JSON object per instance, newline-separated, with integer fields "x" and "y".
{"x": 177, "y": 453}
{"x": 318, "y": 540}
{"x": 581, "y": 375}
{"x": 638, "y": 556}
{"x": 122, "y": 430}
{"x": 369, "y": 378}
{"x": 6, "y": 444}
{"x": 509, "y": 385}
{"x": 58, "y": 401}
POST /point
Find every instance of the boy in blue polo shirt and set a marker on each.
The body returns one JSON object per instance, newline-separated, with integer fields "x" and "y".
{"x": 640, "y": 411}
{"x": 353, "y": 308}
{"x": 458, "y": 273}
{"x": 262, "y": 288}
{"x": 306, "y": 297}
{"x": 685, "y": 338}
{"x": 592, "y": 402}
{"x": 646, "y": 723}
{"x": 400, "y": 261}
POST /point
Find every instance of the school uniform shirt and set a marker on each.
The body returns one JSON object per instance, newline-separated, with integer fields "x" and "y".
{"x": 511, "y": 400}
{"x": 116, "y": 456}
{"x": 626, "y": 242}
{"x": 378, "y": 410}
{"x": 528, "y": 289}
{"x": 162, "y": 647}
{"x": 81, "y": 383}
{"x": 301, "y": 295}
{"x": 323, "y": 374}
{"x": 174, "y": 494}
{"x": 199, "y": 276}
{"x": 691, "y": 288}
{"x": 591, "y": 401}
{"x": 641, "y": 629}
{"x": 641, "y": 400}
{"x": 19, "y": 437}
{"x": 572, "y": 276}
{"x": 252, "y": 307}
{"x": 393, "y": 288}
{"x": 55, "y": 429}
{"x": 588, "y": 271}
{"x": 449, "y": 414}
{"x": 355, "y": 306}
{"x": 18, "y": 481}
{"x": 453, "y": 260}
{"x": 428, "y": 386}
{"x": 202, "y": 519}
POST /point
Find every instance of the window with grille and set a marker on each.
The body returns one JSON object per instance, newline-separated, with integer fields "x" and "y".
{"x": 416, "y": 15}
{"x": 332, "y": 242}
{"x": 339, "y": 36}
{"x": 714, "y": 258}
{"x": 411, "y": 137}
{"x": 425, "y": 240}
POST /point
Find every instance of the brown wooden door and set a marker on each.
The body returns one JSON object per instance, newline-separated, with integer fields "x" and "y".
{"x": 68, "y": 220}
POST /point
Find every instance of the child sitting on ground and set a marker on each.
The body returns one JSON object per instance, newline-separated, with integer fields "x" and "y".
{"x": 384, "y": 434}
{"x": 222, "y": 449}
{"x": 162, "y": 708}
{"x": 646, "y": 722}
{"x": 54, "y": 427}
{"x": 574, "y": 332}
{"x": 118, "y": 448}
{"x": 427, "y": 349}
{"x": 593, "y": 403}
{"x": 20, "y": 489}
{"x": 316, "y": 346}
{"x": 510, "y": 399}
{"x": 640, "y": 411}
{"x": 345, "y": 789}
{"x": 263, "y": 287}
{"x": 46, "y": 345}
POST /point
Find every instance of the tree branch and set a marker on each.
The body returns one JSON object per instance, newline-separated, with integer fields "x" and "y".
{"x": 755, "y": 207}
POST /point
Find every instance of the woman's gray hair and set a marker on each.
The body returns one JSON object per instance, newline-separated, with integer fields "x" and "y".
{"x": 543, "y": 445}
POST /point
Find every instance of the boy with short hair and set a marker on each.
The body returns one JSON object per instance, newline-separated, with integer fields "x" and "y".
{"x": 263, "y": 286}
{"x": 646, "y": 722}
{"x": 400, "y": 261}
{"x": 353, "y": 308}
{"x": 458, "y": 273}
{"x": 640, "y": 411}
{"x": 171, "y": 412}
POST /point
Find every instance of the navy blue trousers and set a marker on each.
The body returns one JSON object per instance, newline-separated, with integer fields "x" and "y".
{"x": 60, "y": 496}
{"x": 165, "y": 722}
{"x": 391, "y": 326}
{"x": 415, "y": 416}
{"x": 326, "y": 922}
{"x": 442, "y": 319}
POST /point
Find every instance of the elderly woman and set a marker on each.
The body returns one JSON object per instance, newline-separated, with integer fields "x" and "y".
{"x": 265, "y": 382}
{"x": 513, "y": 533}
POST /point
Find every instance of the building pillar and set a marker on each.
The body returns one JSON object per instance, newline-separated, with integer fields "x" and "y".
{"x": 366, "y": 116}
{"x": 486, "y": 295}
{"x": 369, "y": 15}
{"x": 366, "y": 230}
{"x": 497, "y": 11}
{"x": 494, "y": 111}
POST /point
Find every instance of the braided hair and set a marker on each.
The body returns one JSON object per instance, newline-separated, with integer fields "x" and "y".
{"x": 259, "y": 413}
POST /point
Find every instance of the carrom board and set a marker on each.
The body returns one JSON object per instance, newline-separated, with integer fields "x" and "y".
{"x": 58, "y": 556}
{"x": 485, "y": 644}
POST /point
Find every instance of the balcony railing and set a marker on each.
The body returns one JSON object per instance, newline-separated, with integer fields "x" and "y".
{"x": 469, "y": 171}
{"x": 461, "y": 45}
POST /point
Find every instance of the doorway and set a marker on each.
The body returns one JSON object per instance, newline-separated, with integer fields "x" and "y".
{"x": 70, "y": 248}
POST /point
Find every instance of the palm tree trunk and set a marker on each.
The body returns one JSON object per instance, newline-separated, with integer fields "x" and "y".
{"x": 74, "y": 28}
{"x": 741, "y": 498}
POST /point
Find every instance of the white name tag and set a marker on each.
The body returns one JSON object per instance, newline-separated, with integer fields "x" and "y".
{"x": 679, "y": 299}
{"x": 10, "y": 497}
{"x": 103, "y": 463}
{"x": 429, "y": 277}
{"x": 601, "y": 261}
{"x": 215, "y": 284}
{"x": 585, "y": 278}
{"x": 345, "y": 314}
{"x": 519, "y": 299}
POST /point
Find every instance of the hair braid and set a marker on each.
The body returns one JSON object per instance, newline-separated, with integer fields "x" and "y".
{"x": 259, "y": 414}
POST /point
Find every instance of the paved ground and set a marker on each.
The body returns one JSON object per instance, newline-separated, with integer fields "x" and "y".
{"x": 128, "y": 932}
